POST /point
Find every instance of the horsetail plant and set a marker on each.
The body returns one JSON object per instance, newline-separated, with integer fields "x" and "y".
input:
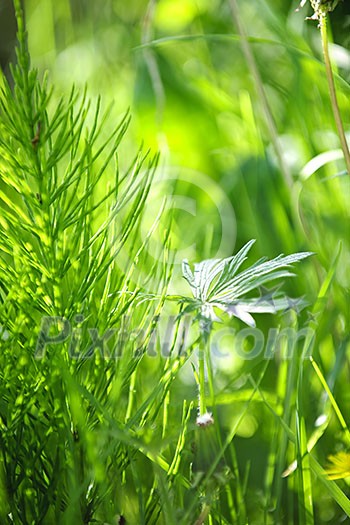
{"x": 216, "y": 284}
{"x": 69, "y": 211}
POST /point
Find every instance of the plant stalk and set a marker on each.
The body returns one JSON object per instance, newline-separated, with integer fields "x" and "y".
{"x": 201, "y": 373}
{"x": 332, "y": 92}
{"x": 270, "y": 121}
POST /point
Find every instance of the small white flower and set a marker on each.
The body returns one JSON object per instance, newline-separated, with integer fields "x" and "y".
{"x": 204, "y": 420}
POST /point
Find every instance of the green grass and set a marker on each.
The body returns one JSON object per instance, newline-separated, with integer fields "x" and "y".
{"x": 102, "y": 356}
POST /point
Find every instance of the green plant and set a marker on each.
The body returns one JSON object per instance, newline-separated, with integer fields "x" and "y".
{"x": 217, "y": 284}
{"x": 68, "y": 215}
{"x": 321, "y": 9}
{"x": 98, "y": 403}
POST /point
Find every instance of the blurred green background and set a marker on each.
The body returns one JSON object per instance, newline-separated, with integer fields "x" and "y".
{"x": 194, "y": 98}
{"x": 247, "y": 150}
{"x": 180, "y": 68}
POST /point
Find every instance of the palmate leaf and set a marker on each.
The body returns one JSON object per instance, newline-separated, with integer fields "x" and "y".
{"x": 229, "y": 267}
{"x": 216, "y": 283}
{"x": 257, "y": 275}
{"x": 211, "y": 273}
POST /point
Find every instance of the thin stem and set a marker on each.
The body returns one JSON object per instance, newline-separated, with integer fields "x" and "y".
{"x": 154, "y": 73}
{"x": 332, "y": 399}
{"x": 131, "y": 397}
{"x": 249, "y": 56}
{"x": 332, "y": 92}
{"x": 201, "y": 379}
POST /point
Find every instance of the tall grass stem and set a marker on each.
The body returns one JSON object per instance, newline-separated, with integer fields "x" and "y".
{"x": 270, "y": 121}
{"x": 332, "y": 92}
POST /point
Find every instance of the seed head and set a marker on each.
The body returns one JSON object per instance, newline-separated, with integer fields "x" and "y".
{"x": 205, "y": 420}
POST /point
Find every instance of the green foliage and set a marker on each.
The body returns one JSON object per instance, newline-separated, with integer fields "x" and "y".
{"x": 215, "y": 283}
{"x": 99, "y": 374}
{"x": 67, "y": 214}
